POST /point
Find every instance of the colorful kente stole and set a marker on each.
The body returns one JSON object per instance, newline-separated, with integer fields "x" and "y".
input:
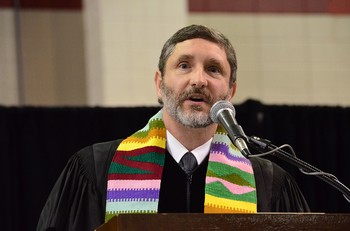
{"x": 136, "y": 171}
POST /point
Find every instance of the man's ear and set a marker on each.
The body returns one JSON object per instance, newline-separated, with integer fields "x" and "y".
{"x": 158, "y": 81}
{"x": 233, "y": 90}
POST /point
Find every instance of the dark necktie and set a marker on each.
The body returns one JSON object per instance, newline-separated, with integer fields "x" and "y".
{"x": 188, "y": 162}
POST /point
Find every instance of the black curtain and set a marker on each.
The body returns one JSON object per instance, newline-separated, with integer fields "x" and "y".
{"x": 36, "y": 142}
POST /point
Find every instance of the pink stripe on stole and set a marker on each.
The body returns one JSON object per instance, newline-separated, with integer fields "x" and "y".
{"x": 133, "y": 184}
{"x": 234, "y": 188}
{"x": 222, "y": 159}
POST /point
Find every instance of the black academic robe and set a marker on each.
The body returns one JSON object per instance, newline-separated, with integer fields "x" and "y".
{"x": 78, "y": 199}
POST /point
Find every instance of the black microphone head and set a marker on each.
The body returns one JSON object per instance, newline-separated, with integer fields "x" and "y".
{"x": 218, "y": 107}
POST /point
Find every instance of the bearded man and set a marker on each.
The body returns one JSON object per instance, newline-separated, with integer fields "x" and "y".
{"x": 180, "y": 161}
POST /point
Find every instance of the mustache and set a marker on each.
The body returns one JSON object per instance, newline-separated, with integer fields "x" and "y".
{"x": 206, "y": 96}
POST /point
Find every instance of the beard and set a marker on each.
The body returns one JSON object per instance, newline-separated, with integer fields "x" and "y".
{"x": 196, "y": 116}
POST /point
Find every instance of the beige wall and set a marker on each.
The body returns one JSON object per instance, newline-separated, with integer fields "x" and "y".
{"x": 107, "y": 54}
{"x": 52, "y": 57}
{"x": 8, "y": 63}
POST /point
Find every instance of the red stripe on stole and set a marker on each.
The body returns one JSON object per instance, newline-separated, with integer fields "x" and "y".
{"x": 154, "y": 169}
{"x": 134, "y": 176}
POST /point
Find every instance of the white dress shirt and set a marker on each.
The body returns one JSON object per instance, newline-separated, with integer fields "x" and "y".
{"x": 177, "y": 150}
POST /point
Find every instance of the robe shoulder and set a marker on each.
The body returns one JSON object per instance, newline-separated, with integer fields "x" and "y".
{"x": 277, "y": 190}
{"x": 77, "y": 200}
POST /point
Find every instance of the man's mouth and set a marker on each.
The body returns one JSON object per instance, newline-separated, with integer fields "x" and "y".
{"x": 196, "y": 99}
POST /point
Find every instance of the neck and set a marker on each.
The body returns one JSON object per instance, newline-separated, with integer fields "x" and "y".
{"x": 191, "y": 138}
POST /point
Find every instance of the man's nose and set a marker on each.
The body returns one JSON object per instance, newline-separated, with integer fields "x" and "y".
{"x": 199, "y": 79}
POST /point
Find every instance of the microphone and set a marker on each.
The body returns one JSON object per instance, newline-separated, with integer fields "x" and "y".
{"x": 223, "y": 113}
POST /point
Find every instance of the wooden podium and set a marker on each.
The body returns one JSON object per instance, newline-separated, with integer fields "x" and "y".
{"x": 219, "y": 222}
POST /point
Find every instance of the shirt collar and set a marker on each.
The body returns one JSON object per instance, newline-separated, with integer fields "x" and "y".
{"x": 177, "y": 150}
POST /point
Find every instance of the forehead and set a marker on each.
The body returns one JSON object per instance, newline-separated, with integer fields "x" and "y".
{"x": 200, "y": 49}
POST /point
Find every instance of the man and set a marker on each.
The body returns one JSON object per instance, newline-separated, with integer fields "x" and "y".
{"x": 149, "y": 171}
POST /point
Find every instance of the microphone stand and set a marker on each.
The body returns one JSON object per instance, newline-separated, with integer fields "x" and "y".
{"x": 262, "y": 145}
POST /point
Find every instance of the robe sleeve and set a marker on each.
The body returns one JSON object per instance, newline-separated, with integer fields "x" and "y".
{"x": 277, "y": 191}
{"x": 287, "y": 196}
{"x": 77, "y": 201}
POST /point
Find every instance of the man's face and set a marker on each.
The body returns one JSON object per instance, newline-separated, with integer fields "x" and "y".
{"x": 196, "y": 75}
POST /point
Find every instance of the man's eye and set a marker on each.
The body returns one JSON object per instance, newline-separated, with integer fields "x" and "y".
{"x": 184, "y": 65}
{"x": 214, "y": 69}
